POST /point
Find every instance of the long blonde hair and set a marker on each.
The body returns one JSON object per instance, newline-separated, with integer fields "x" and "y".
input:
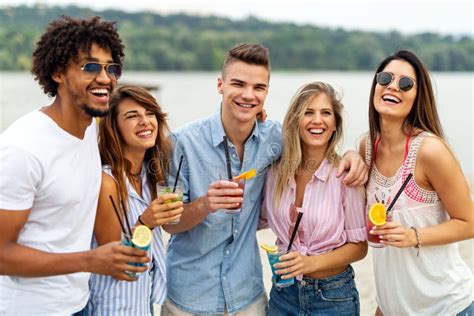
{"x": 291, "y": 157}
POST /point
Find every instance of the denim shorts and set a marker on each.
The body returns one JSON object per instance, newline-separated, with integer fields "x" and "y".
{"x": 335, "y": 295}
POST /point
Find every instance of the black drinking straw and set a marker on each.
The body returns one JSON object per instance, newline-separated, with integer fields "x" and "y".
{"x": 227, "y": 158}
{"x": 177, "y": 173}
{"x": 295, "y": 229}
{"x": 118, "y": 216}
{"x": 389, "y": 209}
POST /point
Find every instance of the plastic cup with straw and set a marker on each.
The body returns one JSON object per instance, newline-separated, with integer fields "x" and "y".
{"x": 163, "y": 188}
{"x": 274, "y": 256}
{"x": 239, "y": 180}
{"x": 377, "y": 215}
{"x": 140, "y": 239}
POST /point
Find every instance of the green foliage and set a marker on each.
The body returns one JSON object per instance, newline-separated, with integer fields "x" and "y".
{"x": 184, "y": 42}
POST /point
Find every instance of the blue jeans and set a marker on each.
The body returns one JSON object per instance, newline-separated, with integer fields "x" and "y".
{"x": 335, "y": 295}
{"x": 469, "y": 311}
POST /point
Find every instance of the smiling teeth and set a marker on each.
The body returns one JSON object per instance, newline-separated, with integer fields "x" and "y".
{"x": 391, "y": 98}
{"x": 144, "y": 133}
{"x": 248, "y": 106}
{"x": 316, "y": 131}
{"x": 99, "y": 91}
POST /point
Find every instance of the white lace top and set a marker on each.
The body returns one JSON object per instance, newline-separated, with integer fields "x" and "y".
{"x": 438, "y": 282}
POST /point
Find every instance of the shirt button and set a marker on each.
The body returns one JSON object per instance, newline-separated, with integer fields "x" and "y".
{"x": 224, "y": 278}
{"x": 227, "y": 252}
{"x": 303, "y": 282}
{"x": 236, "y": 231}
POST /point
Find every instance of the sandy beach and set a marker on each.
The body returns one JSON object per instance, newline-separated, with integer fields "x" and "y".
{"x": 363, "y": 271}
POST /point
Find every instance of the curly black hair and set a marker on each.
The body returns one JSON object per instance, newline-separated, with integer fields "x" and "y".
{"x": 64, "y": 39}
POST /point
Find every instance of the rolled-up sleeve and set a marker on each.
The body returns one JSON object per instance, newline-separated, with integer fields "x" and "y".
{"x": 354, "y": 212}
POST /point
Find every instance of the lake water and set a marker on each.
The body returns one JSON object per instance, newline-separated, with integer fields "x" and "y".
{"x": 187, "y": 96}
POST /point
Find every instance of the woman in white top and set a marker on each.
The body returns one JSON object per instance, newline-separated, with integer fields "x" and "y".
{"x": 134, "y": 146}
{"x": 420, "y": 271}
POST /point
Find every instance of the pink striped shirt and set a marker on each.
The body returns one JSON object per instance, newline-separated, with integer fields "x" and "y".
{"x": 333, "y": 212}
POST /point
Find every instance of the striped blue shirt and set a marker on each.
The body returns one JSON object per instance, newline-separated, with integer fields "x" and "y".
{"x": 111, "y": 297}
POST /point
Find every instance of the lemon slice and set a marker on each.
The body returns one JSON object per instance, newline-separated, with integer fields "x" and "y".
{"x": 142, "y": 236}
{"x": 377, "y": 214}
{"x": 268, "y": 248}
{"x": 247, "y": 175}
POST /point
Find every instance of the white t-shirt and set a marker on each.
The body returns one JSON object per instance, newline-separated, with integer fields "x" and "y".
{"x": 58, "y": 176}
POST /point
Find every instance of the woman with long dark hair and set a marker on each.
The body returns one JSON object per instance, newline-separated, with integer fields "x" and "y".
{"x": 134, "y": 147}
{"x": 419, "y": 271}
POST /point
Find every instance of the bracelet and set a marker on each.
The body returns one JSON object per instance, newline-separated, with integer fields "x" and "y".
{"x": 141, "y": 222}
{"x": 418, "y": 240}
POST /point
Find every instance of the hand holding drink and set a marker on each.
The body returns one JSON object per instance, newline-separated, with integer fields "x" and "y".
{"x": 376, "y": 216}
{"x": 274, "y": 257}
{"x": 240, "y": 180}
{"x": 141, "y": 239}
{"x": 169, "y": 196}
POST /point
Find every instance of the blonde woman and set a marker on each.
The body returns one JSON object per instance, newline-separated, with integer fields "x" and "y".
{"x": 331, "y": 234}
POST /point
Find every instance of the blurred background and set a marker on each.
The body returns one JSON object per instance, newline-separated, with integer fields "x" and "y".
{"x": 176, "y": 48}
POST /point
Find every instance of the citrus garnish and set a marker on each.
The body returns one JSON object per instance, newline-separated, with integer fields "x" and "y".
{"x": 142, "y": 236}
{"x": 247, "y": 175}
{"x": 268, "y": 248}
{"x": 377, "y": 214}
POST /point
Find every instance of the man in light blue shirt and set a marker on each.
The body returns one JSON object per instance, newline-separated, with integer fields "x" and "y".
{"x": 213, "y": 259}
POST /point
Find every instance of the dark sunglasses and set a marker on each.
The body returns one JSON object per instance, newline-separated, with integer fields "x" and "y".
{"x": 385, "y": 78}
{"x": 113, "y": 70}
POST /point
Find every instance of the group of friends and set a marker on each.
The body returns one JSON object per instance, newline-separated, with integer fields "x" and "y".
{"x": 60, "y": 170}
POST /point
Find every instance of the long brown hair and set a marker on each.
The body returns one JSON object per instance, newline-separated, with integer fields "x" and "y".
{"x": 423, "y": 115}
{"x": 291, "y": 157}
{"x": 111, "y": 143}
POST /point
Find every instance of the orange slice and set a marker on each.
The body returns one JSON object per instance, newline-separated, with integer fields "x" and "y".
{"x": 247, "y": 175}
{"x": 378, "y": 214}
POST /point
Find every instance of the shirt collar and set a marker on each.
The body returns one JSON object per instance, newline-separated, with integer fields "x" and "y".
{"x": 217, "y": 129}
{"x": 322, "y": 173}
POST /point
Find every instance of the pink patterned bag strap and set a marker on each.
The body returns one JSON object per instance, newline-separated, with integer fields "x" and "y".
{"x": 410, "y": 161}
{"x": 368, "y": 146}
{"x": 412, "y": 190}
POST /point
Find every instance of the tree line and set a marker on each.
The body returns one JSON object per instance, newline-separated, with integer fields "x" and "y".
{"x": 186, "y": 42}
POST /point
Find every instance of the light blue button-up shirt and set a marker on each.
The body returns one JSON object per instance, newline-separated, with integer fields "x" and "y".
{"x": 217, "y": 263}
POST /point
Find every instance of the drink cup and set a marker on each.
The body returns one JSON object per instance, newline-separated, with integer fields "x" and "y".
{"x": 126, "y": 240}
{"x": 238, "y": 208}
{"x": 162, "y": 189}
{"x": 276, "y": 278}
{"x": 374, "y": 240}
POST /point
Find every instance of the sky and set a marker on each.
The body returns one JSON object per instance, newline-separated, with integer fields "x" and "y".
{"x": 406, "y": 16}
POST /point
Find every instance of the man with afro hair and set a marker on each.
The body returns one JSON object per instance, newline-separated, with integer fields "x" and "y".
{"x": 51, "y": 174}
